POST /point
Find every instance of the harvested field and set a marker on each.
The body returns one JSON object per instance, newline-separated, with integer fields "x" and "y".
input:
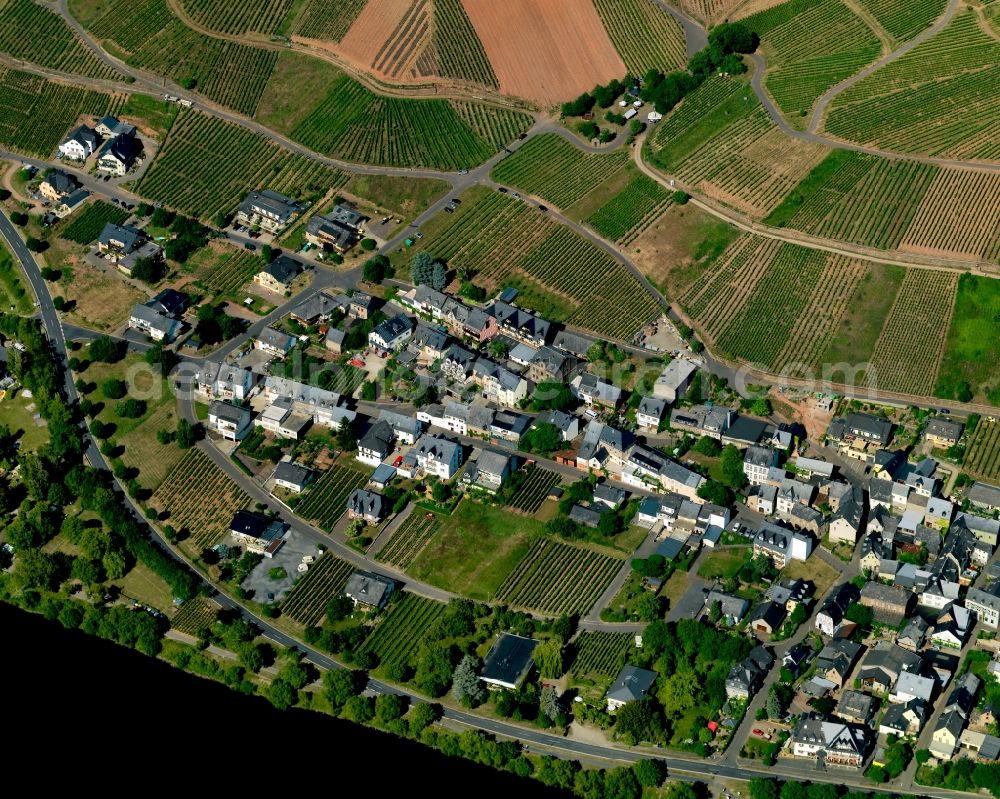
{"x": 371, "y": 41}
{"x": 103, "y": 300}
{"x": 545, "y": 52}
{"x": 908, "y": 351}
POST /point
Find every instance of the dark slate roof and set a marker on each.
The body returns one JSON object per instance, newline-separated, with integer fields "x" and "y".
{"x": 379, "y": 438}
{"x": 284, "y": 269}
{"x": 256, "y": 525}
{"x": 631, "y": 684}
{"x": 509, "y": 659}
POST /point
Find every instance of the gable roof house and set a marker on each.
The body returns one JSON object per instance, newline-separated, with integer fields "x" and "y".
{"x": 984, "y": 495}
{"x": 985, "y": 603}
{"x": 868, "y": 428}
{"x": 913, "y": 635}
{"x": 550, "y": 366}
{"x": 903, "y": 719}
{"x": 746, "y": 677}
{"x": 711, "y": 421}
{"x": 274, "y": 342}
{"x": 392, "y": 334}
{"x": 911, "y": 685}
{"x": 780, "y": 544}
{"x": 224, "y": 381}
{"x": 258, "y": 533}
{"x": 57, "y": 184}
{"x": 509, "y": 426}
{"x": 674, "y": 380}
{"x": 489, "y": 471}
{"x": 110, "y": 126}
{"x": 650, "y": 412}
{"x": 405, "y": 428}
{"x": 884, "y": 663}
{"x": 279, "y": 274}
{"x": 339, "y": 230}
{"x": 119, "y": 240}
{"x": 890, "y": 604}
{"x": 836, "y": 660}
{"x": 369, "y": 590}
{"x": 846, "y": 522}
{"x": 952, "y": 628}
{"x": 232, "y": 421}
{"x": 568, "y": 425}
{"x": 292, "y": 476}
{"x": 766, "y": 617}
{"x": 631, "y": 685}
{"x": 943, "y": 432}
{"x": 366, "y": 505}
{"x": 508, "y": 662}
{"x": 733, "y": 607}
{"x": 269, "y": 210}
{"x": 587, "y": 517}
{"x": 79, "y": 143}
{"x": 609, "y": 495}
{"x": 376, "y": 444}
{"x": 855, "y": 707}
{"x": 836, "y": 743}
{"x": 520, "y": 324}
{"x": 429, "y": 342}
{"x": 119, "y": 155}
{"x": 594, "y": 391}
{"x": 438, "y": 456}
{"x": 757, "y": 462}
{"x": 156, "y": 325}
{"x": 831, "y": 616}
{"x": 318, "y": 308}
{"x": 499, "y": 384}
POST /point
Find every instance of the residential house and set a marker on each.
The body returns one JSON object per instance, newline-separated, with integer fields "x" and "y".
{"x": 489, "y": 471}
{"x": 904, "y": 719}
{"x": 921, "y": 479}
{"x": 649, "y": 413}
{"x": 984, "y": 495}
{"x": 733, "y": 607}
{"x": 702, "y": 420}
{"x": 321, "y": 406}
{"x": 293, "y": 477}
{"x": 985, "y": 603}
{"x": 339, "y": 230}
{"x": 79, "y": 143}
{"x": 231, "y": 421}
{"x": 70, "y": 203}
{"x": 835, "y": 743}
{"x": 797, "y": 659}
{"x": 169, "y": 302}
{"x": 550, "y": 366}
{"x": 888, "y": 464}
{"x": 458, "y": 363}
{"x": 361, "y": 305}
{"x": 874, "y": 550}
{"x": 791, "y": 593}
{"x": 368, "y": 590}
{"x": 367, "y": 505}
{"x": 757, "y": 462}
{"x": 572, "y": 343}
{"x": 438, "y": 456}
{"x": 119, "y": 155}
{"x": 376, "y": 444}
{"x": 117, "y": 241}
{"x": 836, "y": 659}
{"x": 520, "y": 324}
{"x": 57, "y": 184}
{"x": 767, "y": 617}
{"x": 780, "y": 544}
{"x": 429, "y": 343}
{"x": 763, "y": 499}
{"x": 258, "y": 533}
{"x": 320, "y": 307}
{"x": 883, "y": 664}
{"x": 938, "y": 513}
{"x": 811, "y": 467}
{"x": 911, "y": 685}
{"x": 746, "y": 677}
{"x": 943, "y": 433}
{"x": 587, "y": 517}
{"x": 986, "y": 531}
{"x": 463, "y": 320}
{"x": 609, "y": 495}
{"x": 947, "y": 733}
{"x": 913, "y": 635}
{"x": 392, "y": 334}
{"x": 631, "y": 685}
{"x": 846, "y": 522}
{"x": 499, "y": 384}
{"x": 274, "y": 342}
{"x": 509, "y": 426}
{"x": 110, "y": 127}
{"x": 594, "y": 391}
{"x": 568, "y": 426}
{"x": 952, "y": 628}
{"x": 225, "y": 381}
{"x": 861, "y": 427}
{"x": 508, "y": 662}
{"x": 268, "y": 210}
{"x": 674, "y": 380}
{"x": 745, "y": 432}
{"x": 334, "y": 340}
{"x": 405, "y": 428}
{"x": 890, "y": 604}
{"x": 279, "y": 275}
{"x": 855, "y": 707}
{"x": 154, "y": 324}
{"x": 830, "y": 618}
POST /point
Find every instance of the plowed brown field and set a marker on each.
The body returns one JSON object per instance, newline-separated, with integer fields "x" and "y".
{"x": 370, "y": 31}
{"x": 546, "y": 51}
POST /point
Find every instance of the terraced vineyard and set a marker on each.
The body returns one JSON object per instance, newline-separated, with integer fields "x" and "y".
{"x": 200, "y": 498}
{"x": 600, "y": 655}
{"x": 555, "y": 578}
{"x": 326, "y": 578}
{"x": 460, "y": 54}
{"x": 255, "y": 16}
{"x": 982, "y": 454}
{"x": 551, "y": 167}
{"x": 232, "y": 272}
{"x": 195, "y": 616}
{"x": 903, "y": 21}
{"x": 409, "y": 539}
{"x": 229, "y": 73}
{"x": 400, "y": 633}
{"x": 329, "y": 20}
{"x": 33, "y": 32}
{"x": 799, "y": 71}
{"x": 624, "y": 216}
{"x": 560, "y": 274}
{"x": 85, "y": 226}
{"x": 208, "y": 165}
{"x": 35, "y": 114}
{"x": 645, "y": 36}
{"x": 908, "y": 352}
{"x": 497, "y": 126}
{"x": 532, "y": 493}
{"x": 326, "y": 501}
{"x": 938, "y": 99}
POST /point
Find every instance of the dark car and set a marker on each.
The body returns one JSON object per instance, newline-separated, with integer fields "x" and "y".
{"x": 456, "y": 201}
{"x": 449, "y": 209}
{"x": 542, "y": 208}
{"x": 249, "y": 246}
{"x": 501, "y": 189}
{"x": 522, "y": 136}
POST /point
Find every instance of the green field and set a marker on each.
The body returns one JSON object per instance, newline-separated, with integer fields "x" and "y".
{"x": 327, "y": 19}
{"x": 811, "y": 45}
{"x": 559, "y": 274}
{"x": 398, "y": 636}
{"x": 255, "y": 16}
{"x": 228, "y": 270}
{"x": 85, "y": 226}
{"x": 153, "y": 112}
{"x": 18, "y": 413}
{"x": 14, "y": 295}
{"x": 939, "y": 99}
{"x": 229, "y": 73}
{"x": 903, "y": 21}
{"x": 208, "y": 165}
{"x": 552, "y": 168}
{"x": 35, "y": 114}
{"x": 410, "y": 538}
{"x": 972, "y": 351}
{"x": 326, "y": 578}
{"x": 982, "y": 452}
{"x": 723, "y": 563}
{"x": 645, "y": 36}
{"x": 408, "y": 197}
{"x": 460, "y": 54}
{"x": 624, "y": 216}
{"x": 35, "y": 33}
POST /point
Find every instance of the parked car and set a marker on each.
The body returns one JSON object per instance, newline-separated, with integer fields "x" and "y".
{"x": 463, "y": 172}
{"x": 515, "y": 195}
{"x": 501, "y": 189}
{"x": 522, "y": 136}
{"x": 398, "y": 461}
{"x": 542, "y": 208}
{"x": 249, "y": 246}
{"x": 449, "y": 209}
{"x": 455, "y": 201}
{"x": 419, "y": 235}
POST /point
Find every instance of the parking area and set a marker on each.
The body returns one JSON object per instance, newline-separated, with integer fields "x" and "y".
{"x": 266, "y": 588}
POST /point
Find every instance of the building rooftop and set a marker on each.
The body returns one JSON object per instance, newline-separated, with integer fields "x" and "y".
{"x": 631, "y": 684}
{"x": 508, "y": 660}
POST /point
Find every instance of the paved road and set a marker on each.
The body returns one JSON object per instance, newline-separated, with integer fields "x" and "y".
{"x": 695, "y": 35}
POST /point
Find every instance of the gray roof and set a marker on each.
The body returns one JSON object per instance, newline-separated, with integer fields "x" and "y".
{"x": 124, "y": 148}
{"x": 572, "y": 343}
{"x": 984, "y": 494}
{"x": 887, "y": 661}
{"x": 366, "y": 503}
{"x": 393, "y": 328}
{"x": 284, "y": 269}
{"x": 631, "y": 684}
{"x": 271, "y": 201}
{"x": 379, "y": 438}
{"x": 430, "y": 337}
{"x": 944, "y": 428}
{"x": 855, "y": 704}
{"x": 606, "y": 491}
{"x": 401, "y": 422}
{"x": 227, "y": 411}
{"x": 153, "y": 318}
{"x": 294, "y": 473}
{"x": 562, "y": 421}
{"x": 735, "y": 606}
{"x": 588, "y": 517}
{"x": 652, "y": 406}
{"x": 127, "y": 235}
{"x": 873, "y": 427}
{"x": 61, "y": 181}
{"x": 525, "y": 323}
{"x": 276, "y": 339}
{"x": 492, "y": 462}
{"x": 318, "y": 305}
{"x": 442, "y": 449}
{"x": 368, "y": 587}
{"x": 82, "y": 134}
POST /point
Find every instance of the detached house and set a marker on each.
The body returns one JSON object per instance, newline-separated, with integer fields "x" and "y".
{"x": 79, "y": 144}
{"x": 291, "y": 476}
{"x": 757, "y": 463}
{"x": 631, "y": 685}
{"x": 943, "y": 433}
{"x": 368, "y": 590}
{"x": 57, "y": 184}
{"x": 279, "y": 274}
{"x": 154, "y": 324}
{"x": 375, "y": 445}
{"x": 366, "y": 505}
{"x": 258, "y": 533}
{"x": 392, "y": 334}
{"x": 747, "y": 676}
{"x": 836, "y": 743}
{"x": 119, "y": 155}
{"x": 488, "y": 472}
{"x": 438, "y": 456}
{"x": 269, "y": 210}
{"x": 232, "y": 421}
{"x": 274, "y": 342}
{"x": 650, "y": 413}
{"x": 550, "y": 366}
{"x": 339, "y": 230}
{"x": 890, "y": 604}
{"x": 594, "y": 391}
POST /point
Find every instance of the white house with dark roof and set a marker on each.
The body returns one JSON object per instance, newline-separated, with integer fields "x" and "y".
{"x": 376, "y": 444}
{"x": 279, "y": 275}
{"x": 489, "y": 471}
{"x": 984, "y": 495}
{"x": 631, "y": 685}
{"x": 392, "y": 334}
{"x": 293, "y": 477}
{"x": 369, "y": 590}
{"x": 405, "y": 428}
{"x": 154, "y": 324}
{"x": 438, "y": 456}
{"x": 520, "y": 324}
{"x": 650, "y": 413}
{"x": 231, "y": 421}
{"x": 269, "y": 210}
{"x": 274, "y": 342}
{"x": 119, "y": 155}
{"x": 943, "y": 433}
{"x": 79, "y": 143}
{"x": 838, "y": 743}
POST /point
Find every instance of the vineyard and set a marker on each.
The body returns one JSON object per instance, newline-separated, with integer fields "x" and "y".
{"x": 903, "y": 21}
{"x": 208, "y": 165}
{"x": 326, "y": 501}
{"x": 799, "y": 72}
{"x": 86, "y": 226}
{"x": 354, "y": 124}
{"x": 550, "y": 167}
{"x": 232, "y": 271}
{"x": 307, "y": 602}
{"x": 195, "y": 616}
{"x": 410, "y": 539}
{"x": 200, "y": 498}
{"x": 969, "y": 365}
{"x": 496, "y": 126}
{"x": 710, "y": 104}
{"x": 563, "y": 276}
{"x": 938, "y": 99}
{"x": 982, "y": 453}
{"x": 645, "y": 36}
{"x": 329, "y": 20}
{"x": 406, "y": 42}
{"x": 628, "y": 213}
{"x": 557, "y": 578}
{"x": 460, "y": 54}
{"x": 400, "y": 633}
{"x": 229, "y": 73}
{"x": 35, "y": 33}
{"x": 255, "y": 16}
{"x": 600, "y": 655}
{"x": 534, "y": 490}
{"x": 908, "y": 351}
{"x": 35, "y": 114}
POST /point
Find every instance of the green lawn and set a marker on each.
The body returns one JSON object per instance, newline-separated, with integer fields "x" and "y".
{"x": 853, "y": 339}
{"x": 143, "y": 384}
{"x": 972, "y": 348}
{"x": 15, "y": 414}
{"x": 144, "y": 452}
{"x": 475, "y": 549}
{"x": 724, "y": 563}
{"x": 14, "y": 295}
{"x": 405, "y": 197}
{"x": 140, "y": 583}
{"x": 157, "y": 114}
